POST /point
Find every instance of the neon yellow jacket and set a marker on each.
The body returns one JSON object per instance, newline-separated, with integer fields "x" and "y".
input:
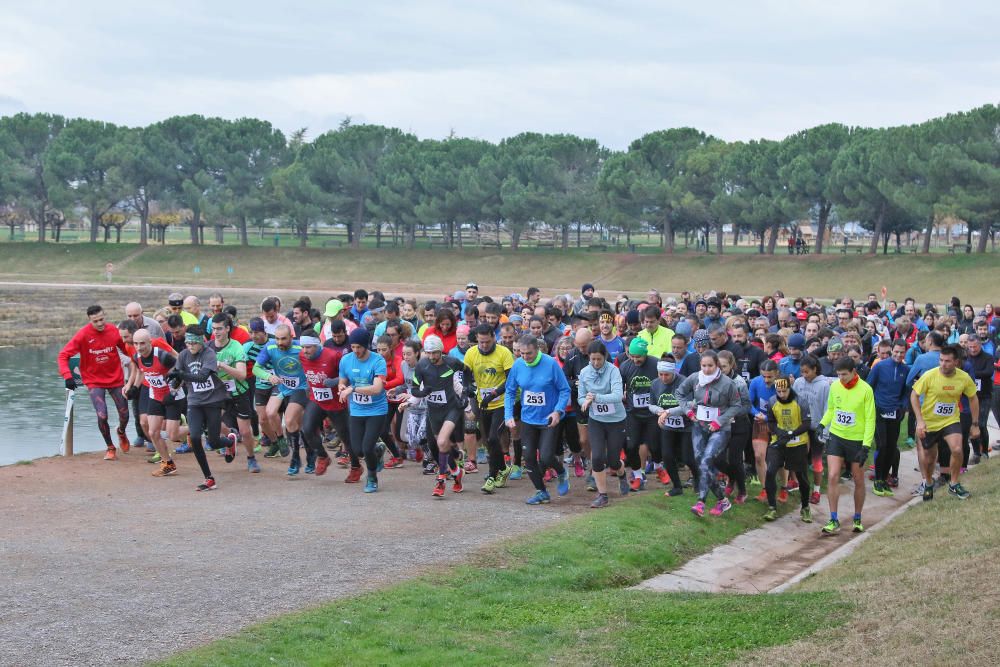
{"x": 850, "y": 413}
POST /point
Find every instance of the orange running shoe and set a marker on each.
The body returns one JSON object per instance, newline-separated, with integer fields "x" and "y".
{"x": 110, "y": 455}
{"x": 354, "y": 476}
{"x": 438, "y": 491}
{"x": 123, "y": 442}
{"x": 782, "y": 496}
{"x": 663, "y": 476}
{"x": 321, "y": 465}
{"x": 762, "y": 497}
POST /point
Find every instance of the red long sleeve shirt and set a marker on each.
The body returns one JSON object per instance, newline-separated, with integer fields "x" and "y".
{"x": 99, "y": 364}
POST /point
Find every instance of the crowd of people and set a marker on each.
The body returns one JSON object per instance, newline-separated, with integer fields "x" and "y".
{"x": 716, "y": 392}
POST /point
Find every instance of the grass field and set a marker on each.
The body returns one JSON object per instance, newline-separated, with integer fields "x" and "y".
{"x": 929, "y": 278}
{"x": 555, "y": 597}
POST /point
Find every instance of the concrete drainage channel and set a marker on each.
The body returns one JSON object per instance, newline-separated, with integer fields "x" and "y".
{"x": 776, "y": 556}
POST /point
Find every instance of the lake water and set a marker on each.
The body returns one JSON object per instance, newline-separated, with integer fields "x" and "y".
{"x": 32, "y": 406}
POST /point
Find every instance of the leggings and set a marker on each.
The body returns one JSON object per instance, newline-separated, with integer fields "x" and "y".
{"x": 672, "y": 452}
{"x": 207, "y": 418}
{"x": 364, "y": 439}
{"x": 982, "y": 443}
{"x": 731, "y": 460}
{"x": 995, "y": 406}
{"x": 388, "y": 437}
{"x": 99, "y": 401}
{"x": 707, "y": 446}
{"x": 794, "y": 460}
{"x": 312, "y": 424}
{"x": 540, "y": 452}
{"x": 966, "y": 420}
{"x": 569, "y": 433}
{"x": 606, "y": 442}
{"x": 490, "y": 422}
{"x": 135, "y": 415}
{"x": 340, "y": 419}
{"x": 416, "y": 430}
{"x": 887, "y": 451}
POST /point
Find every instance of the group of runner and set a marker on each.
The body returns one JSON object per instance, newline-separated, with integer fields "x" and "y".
{"x": 773, "y": 392}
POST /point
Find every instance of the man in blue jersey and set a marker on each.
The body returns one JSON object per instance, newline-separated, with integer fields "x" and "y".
{"x": 278, "y": 363}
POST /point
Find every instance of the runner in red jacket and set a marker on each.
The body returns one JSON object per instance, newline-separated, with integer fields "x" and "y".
{"x": 101, "y": 370}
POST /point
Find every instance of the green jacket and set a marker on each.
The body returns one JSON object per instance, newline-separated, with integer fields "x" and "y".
{"x": 850, "y": 413}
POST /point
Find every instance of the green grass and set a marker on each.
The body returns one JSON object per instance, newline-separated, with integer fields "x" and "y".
{"x": 554, "y": 596}
{"x": 935, "y": 278}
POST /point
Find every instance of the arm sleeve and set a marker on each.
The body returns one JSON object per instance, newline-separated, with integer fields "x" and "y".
{"x": 510, "y": 394}
{"x": 564, "y": 391}
{"x": 71, "y": 348}
{"x": 259, "y": 370}
{"x": 617, "y": 389}
{"x": 397, "y": 378}
{"x": 772, "y": 422}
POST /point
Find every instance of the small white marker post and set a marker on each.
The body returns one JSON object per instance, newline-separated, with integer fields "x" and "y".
{"x": 66, "y": 449}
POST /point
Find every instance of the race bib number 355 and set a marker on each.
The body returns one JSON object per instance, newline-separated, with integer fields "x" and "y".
{"x": 944, "y": 409}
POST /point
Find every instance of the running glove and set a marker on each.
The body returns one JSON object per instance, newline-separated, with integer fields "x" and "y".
{"x": 71, "y": 383}
{"x": 862, "y": 455}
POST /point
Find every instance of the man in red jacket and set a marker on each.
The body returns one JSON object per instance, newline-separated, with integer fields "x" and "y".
{"x": 101, "y": 371}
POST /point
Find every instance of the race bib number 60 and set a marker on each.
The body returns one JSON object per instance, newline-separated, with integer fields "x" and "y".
{"x": 602, "y": 408}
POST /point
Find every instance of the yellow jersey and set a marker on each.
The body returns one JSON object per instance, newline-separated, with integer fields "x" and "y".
{"x": 941, "y": 395}
{"x": 489, "y": 371}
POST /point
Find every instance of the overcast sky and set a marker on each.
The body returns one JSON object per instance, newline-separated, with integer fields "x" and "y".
{"x": 610, "y": 70}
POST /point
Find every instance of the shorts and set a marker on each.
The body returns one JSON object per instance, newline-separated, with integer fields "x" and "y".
{"x": 935, "y": 437}
{"x": 436, "y": 420}
{"x": 144, "y": 401}
{"x": 642, "y": 432}
{"x": 790, "y": 458}
{"x": 298, "y": 397}
{"x": 169, "y": 408}
{"x": 581, "y": 416}
{"x": 262, "y": 396}
{"x": 237, "y": 407}
{"x": 760, "y": 432}
{"x": 849, "y": 450}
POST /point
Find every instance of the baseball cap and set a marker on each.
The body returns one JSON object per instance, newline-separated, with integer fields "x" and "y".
{"x": 797, "y": 341}
{"x": 638, "y": 347}
{"x": 333, "y": 308}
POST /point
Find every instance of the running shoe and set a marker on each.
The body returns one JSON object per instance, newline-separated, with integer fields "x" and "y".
{"x": 458, "y": 474}
{"x": 741, "y": 499}
{"x": 963, "y": 470}
{"x": 623, "y": 485}
{"x": 430, "y": 468}
{"x": 540, "y": 498}
{"x": 155, "y": 458}
{"x": 342, "y": 459}
{"x": 728, "y": 491}
{"x": 418, "y": 455}
{"x": 832, "y": 527}
{"x": 974, "y": 460}
{"x": 394, "y": 462}
{"x": 675, "y": 491}
{"x": 578, "y": 468}
{"x": 353, "y": 476}
{"x": 310, "y": 469}
{"x": 183, "y": 448}
{"x": 563, "y": 487}
{"x": 762, "y": 496}
{"x": 371, "y": 486}
{"x": 698, "y": 509}
{"x": 663, "y": 476}
{"x": 857, "y": 527}
{"x": 771, "y": 514}
{"x": 274, "y": 451}
{"x": 958, "y": 491}
{"x": 166, "y": 469}
{"x": 293, "y": 469}
{"x": 638, "y": 482}
{"x": 909, "y": 442}
{"x": 482, "y": 456}
{"x": 753, "y": 480}
{"x": 882, "y": 489}
{"x": 208, "y": 485}
{"x": 252, "y": 465}
{"x": 600, "y": 501}
{"x": 283, "y": 446}
{"x": 814, "y": 498}
{"x": 500, "y": 481}
{"x": 893, "y": 482}
{"x": 648, "y": 469}
{"x": 489, "y": 486}
{"x": 591, "y": 483}
{"x": 231, "y": 448}
{"x": 380, "y": 455}
{"x": 321, "y": 465}
{"x": 257, "y": 448}
{"x": 550, "y": 475}
{"x": 721, "y": 507}
{"x": 805, "y": 514}
{"x": 782, "y": 496}
{"x": 471, "y": 468}
{"x": 123, "y": 442}
{"x": 439, "y": 485}
{"x": 149, "y": 447}
{"x": 940, "y": 481}
{"x": 111, "y": 454}
{"x": 792, "y": 485}
{"x": 515, "y": 472}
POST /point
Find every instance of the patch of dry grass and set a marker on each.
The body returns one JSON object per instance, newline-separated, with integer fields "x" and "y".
{"x": 925, "y": 588}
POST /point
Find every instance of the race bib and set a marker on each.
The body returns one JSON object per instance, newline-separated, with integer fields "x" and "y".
{"x": 179, "y": 394}
{"x": 362, "y": 399}
{"x": 675, "y": 422}
{"x": 437, "y": 397}
{"x": 199, "y": 387}
{"x": 231, "y": 386}
{"x": 602, "y": 409}
{"x": 156, "y": 381}
{"x": 534, "y": 399}
{"x": 944, "y": 409}
{"x": 291, "y": 383}
{"x": 845, "y": 418}
{"x": 483, "y": 392}
{"x": 979, "y": 384}
{"x": 640, "y": 400}
{"x": 746, "y": 376}
{"x": 322, "y": 393}
{"x": 706, "y": 413}
{"x": 890, "y": 414}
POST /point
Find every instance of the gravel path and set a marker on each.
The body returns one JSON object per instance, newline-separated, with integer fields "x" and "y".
{"x": 103, "y": 564}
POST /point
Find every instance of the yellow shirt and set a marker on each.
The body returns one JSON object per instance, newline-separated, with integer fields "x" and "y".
{"x": 490, "y": 371}
{"x": 659, "y": 344}
{"x": 941, "y": 395}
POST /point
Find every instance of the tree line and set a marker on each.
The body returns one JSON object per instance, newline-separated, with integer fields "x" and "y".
{"x": 246, "y": 173}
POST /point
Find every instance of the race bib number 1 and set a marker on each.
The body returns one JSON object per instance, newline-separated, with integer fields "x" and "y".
{"x": 707, "y": 413}
{"x": 534, "y": 399}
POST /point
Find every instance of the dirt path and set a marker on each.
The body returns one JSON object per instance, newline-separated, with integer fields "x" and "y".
{"x": 103, "y": 564}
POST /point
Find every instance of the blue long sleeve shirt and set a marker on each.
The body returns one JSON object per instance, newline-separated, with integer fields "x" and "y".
{"x": 888, "y": 380}
{"x": 924, "y": 363}
{"x": 760, "y": 395}
{"x": 544, "y": 390}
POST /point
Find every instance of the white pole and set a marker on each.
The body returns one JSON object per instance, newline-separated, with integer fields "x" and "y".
{"x": 66, "y": 449}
